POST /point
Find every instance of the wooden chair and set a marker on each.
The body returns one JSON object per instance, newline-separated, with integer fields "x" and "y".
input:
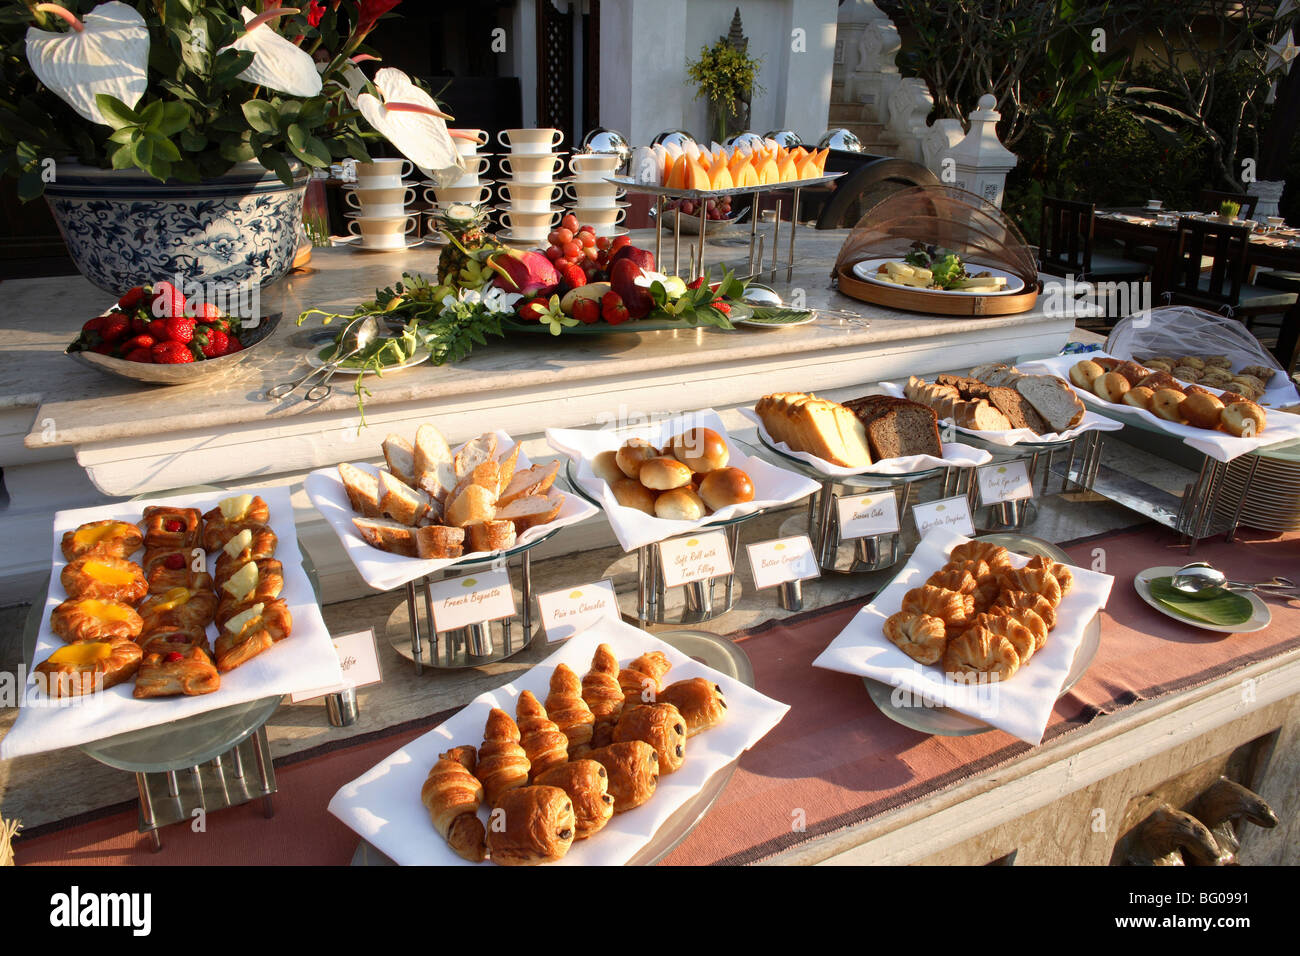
{"x": 1065, "y": 245}
{"x": 1210, "y": 200}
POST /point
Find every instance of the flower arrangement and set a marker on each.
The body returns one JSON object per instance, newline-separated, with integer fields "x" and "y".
{"x": 185, "y": 89}
{"x": 1229, "y": 210}
{"x": 726, "y": 77}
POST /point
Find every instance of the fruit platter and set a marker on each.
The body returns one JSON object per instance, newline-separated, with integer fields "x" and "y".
{"x": 692, "y": 171}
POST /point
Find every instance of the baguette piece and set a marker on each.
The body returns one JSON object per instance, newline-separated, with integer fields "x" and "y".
{"x": 386, "y": 535}
{"x": 487, "y": 475}
{"x": 439, "y": 541}
{"x": 506, "y": 466}
{"x": 491, "y": 535}
{"x": 400, "y": 455}
{"x": 472, "y": 505}
{"x": 1053, "y": 399}
{"x": 435, "y": 474}
{"x": 363, "y": 490}
{"x": 536, "y": 480}
{"x": 531, "y": 510}
{"x": 401, "y": 502}
{"x": 475, "y": 453}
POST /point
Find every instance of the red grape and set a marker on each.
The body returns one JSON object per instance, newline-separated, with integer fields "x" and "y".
{"x": 570, "y": 222}
{"x": 554, "y": 238}
{"x": 688, "y": 208}
{"x": 554, "y": 253}
{"x": 562, "y": 235}
{"x": 572, "y": 250}
{"x": 588, "y": 239}
{"x": 602, "y": 242}
{"x": 591, "y": 253}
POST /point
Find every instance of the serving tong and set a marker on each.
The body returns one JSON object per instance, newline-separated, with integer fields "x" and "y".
{"x": 358, "y": 334}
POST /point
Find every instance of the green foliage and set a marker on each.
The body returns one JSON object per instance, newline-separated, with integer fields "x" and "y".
{"x": 724, "y": 76}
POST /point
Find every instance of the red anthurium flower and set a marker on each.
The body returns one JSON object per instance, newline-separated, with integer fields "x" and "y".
{"x": 369, "y": 12}
{"x": 315, "y": 12}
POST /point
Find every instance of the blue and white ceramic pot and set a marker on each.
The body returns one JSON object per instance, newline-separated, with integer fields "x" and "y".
{"x": 124, "y": 228}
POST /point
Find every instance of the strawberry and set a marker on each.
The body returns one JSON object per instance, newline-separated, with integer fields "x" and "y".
{"x": 571, "y": 277}
{"x": 721, "y": 306}
{"x": 117, "y": 327}
{"x": 214, "y": 343}
{"x": 139, "y": 324}
{"x": 96, "y": 324}
{"x": 104, "y": 348}
{"x": 139, "y": 354}
{"x": 143, "y": 341}
{"x": 233, "y": 344}
{"x": 167, "y": 301}
{"x": 612, "y": 309}
{"x": 132, "y": 298}
{"x": 205, "y": 311}
{"x": 174, "y": 657}
{"x": 171, "y": 353}
{"x": 174, "y": 561}
{"x": 531, "y": 311}
{"x": 695, "y": 283}
{"x": 180, "y": 329}
{"x": 587, "y": 311}
{"x": 158, "y": 329}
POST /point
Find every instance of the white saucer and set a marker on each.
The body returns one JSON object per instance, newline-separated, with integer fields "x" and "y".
{"x": 356, "y": 214}
{"x": 352, "y": 242}
{"x": 1256, "y": 622}
{"x": 506, "y": 207}
{"x": 504, "y": 235}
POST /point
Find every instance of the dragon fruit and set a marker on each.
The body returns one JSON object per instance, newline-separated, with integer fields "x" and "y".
{"x": 527, "y": 273}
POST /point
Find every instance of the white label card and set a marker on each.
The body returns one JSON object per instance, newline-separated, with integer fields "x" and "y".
{"x": 782, "y": 560}
{"x": 473, "y": 599}
{"x": 695, "y": 557}
{"x": 951, "y": 513}
{"x": 359, "y": 659}
{"x": 570, "y": 611}
{"x": 1007, "y": 481}
{"x": 864, "y": 515}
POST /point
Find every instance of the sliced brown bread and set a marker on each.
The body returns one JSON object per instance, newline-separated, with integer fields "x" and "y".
{"x": 900, "y": 428}
{"x": 531, "y": 510}
{"x": 387, "y": 535}
{"x": 1054, "y": 400}
{"x": 979, "y": 415}
{"x": 968, "y": 387}
{"x": 491, "y": 535}
{"x": 1019, "y": 412}
{"x": 362, "y": 489}
{"x": 439, "y": 541}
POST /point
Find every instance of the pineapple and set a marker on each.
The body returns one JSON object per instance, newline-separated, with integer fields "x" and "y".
{"x": 464, "y": 228}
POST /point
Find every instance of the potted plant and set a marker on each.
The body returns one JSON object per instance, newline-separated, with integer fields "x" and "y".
{"x": 176, "y": 137}
{"x": 1228, "y": 211}
{"x": 727, "y": 77}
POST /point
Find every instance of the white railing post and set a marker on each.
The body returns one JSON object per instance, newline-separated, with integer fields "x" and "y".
{"x": 981, "y": 161}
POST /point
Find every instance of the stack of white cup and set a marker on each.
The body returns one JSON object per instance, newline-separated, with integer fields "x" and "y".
{"x": 379, "y": 200}
{"x": 594, "y": 198}
{"x": 530, "y": 189}
{"x": 471, "y": 189}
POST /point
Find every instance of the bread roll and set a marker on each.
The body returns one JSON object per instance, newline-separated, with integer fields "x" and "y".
{"x": 726, "y": 486}
{"x": 1167, "y": 404}
{"x": 1201, "y": 410}
{"x": 1112, "y": 386}
{"x": 1243, "y": 419}
{"x": 605, "y": 467}
{"x": 700, "y": 449}
{"x": 1190, "y": 361}
{"x": 1084, "y": 373}
{"x": 630, "y": 493}
{"x": 1132, "y": 371}
{"x": 634, "y": 453}
{"x": 1139, "y": 397}
{"x": 680, "y": 504}
{"x": 664, "y": 474}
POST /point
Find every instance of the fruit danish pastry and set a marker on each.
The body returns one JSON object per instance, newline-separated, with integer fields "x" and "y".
{"x": 112, "y": 539}
{"x": 659, "y": 725}
{"x": 587, "y": 784}
{"x": 230, "y": 516}
{"x": 254, "y": 583}
{"x": 167, "y": 569}
{"x": 538, "y": 827}
{"x": 565, "y": 706}
{"x": 108, "y": 579}
{"x": 173, "y": 529}
{"x": 452, "y": 795}
{"x": 642, "y": 679}
{"x": 603, "y": 694}
{"x": 255, "y": 543}
{"x": 633, "y": 769}
{"x": 179, "y": 608}
{"x": 91, "y": 619}
{"x": 250, "y": 632}
{"x": 78, "y": 669}
{"x": 699, "y": 700}
{"x": 174, "y": 638}
{"x": 175, "y": 671}
{"x": 543, "y": 742}
{"x": 502, "y": 762}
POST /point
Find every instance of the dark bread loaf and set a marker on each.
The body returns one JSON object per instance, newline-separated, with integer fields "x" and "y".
{"x": 1019, "y": 412}
{"x": 897, "y": 427}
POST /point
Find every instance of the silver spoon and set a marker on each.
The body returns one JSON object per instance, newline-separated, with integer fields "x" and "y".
{"x": 1202, "y": 580}
{"x": 359, "y": 333}
{"x": 762, "y": 296}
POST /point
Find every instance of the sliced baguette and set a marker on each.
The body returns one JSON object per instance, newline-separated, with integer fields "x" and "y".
{"x": 481, "y": 449}
{"x": 474, "y": 504}
{"x": 439, "y": 541}
{"x": 536, "y": 480}
{"x": 435, "y": 473}
{"x": 401, "y": 502}
{"x": 387, "y": 535}
{"x": 486, "y": 475}
{"x": 363, "y": 490}
{"x": 531, "y": 510}
{"x": 400, "y": 457}
{"x": 506, "y": 465}
{"x": 492, "y": 535}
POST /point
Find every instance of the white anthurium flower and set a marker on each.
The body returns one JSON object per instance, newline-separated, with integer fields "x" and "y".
{"x": 277, "y": 64}
{"x": 409, "y": 119}
{"x": 351, "y": 78}
{"x": 106, "y": 52}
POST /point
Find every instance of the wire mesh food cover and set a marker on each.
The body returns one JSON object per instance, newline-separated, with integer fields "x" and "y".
{"x": 960, "y": 221}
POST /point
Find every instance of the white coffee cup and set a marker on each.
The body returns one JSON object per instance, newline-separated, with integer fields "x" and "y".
{"x": 1275, "y": 222}
{"x": 532, "y": 169}
{"x": 593, "y": 167}
{"x": 475, "y": 166}
{"x": 469, "y": 195}
{"x": 381, "y": 173}
{"x": 604, "y": 219}
{"x": 1154, "y": 203}
{"x": 601, "y": 194}
{"x": 383, "y": 232}
{"x": 531, "y": 198}
{"x": 524, "y": 141}
{"x": 530, "y": 225}
{"x": 389, "y": 201}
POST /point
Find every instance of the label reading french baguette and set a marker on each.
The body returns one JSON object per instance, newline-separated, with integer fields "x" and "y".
{"x": 695, "y": 557}
{"x": 570, "y": 611}
{"x": 951, "y": 513}
{"x": 862, "y": 516}
{"x": 1007, "y": 481}
{"x": 473, "y": 599}
{"x": 784, "y": 559}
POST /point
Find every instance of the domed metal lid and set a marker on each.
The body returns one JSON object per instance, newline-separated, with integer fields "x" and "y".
{"x": 785, "y": 137}
{"x": 840, "y": 138}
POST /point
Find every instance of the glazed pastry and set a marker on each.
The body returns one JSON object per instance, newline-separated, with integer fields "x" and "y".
{"x": 254, "y": 543}
{"x": 502, "y": 763}
{"x": 977, "y": 650}
{"x": 78, "y": 669}
{"x": 1061, "y": 572}
{"x": 565, "y": 706}
{"x": 452, "y": 795}
{"x": 254, "y": 583}
{"x": 165, "y": 570}
{"x": 1035, "y": 581}
{"x": 699, "y": 700}
{"x": 951, "y": 607}
{"x": 919, "y": 636}
{"x": 173, "y": 639}
{"x": 539, "y": 827}
{"x": 543, "y": 742}
{"x": 90, "y": 619}
{"x": 174, "y": 529}
{"x": 109, "y": 579}
{"x": 230, "y": 516}
{"x": 603, "y": 694}
{"x": 112, "y": 539}
{"x": 1009, "y": 627}
{"x": 1016, "y": 600}
{"x": 995, "y": 556}
{"x": 587, "y": 784}
{"x": 176, "y": 670}
{"x": 642, "y": 679}
{"x": 659, "y": 725}
{"x": 250, "y": 632}
{"x": 633, "y": 769}
{"x": 179, "y": 608}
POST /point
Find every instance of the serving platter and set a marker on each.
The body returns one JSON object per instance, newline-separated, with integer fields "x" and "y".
{"x": 934, "y": 302}
{"x": 866, "y": 270}
{"x": 739, "y": 311}
{"x": 1259, "y": 619}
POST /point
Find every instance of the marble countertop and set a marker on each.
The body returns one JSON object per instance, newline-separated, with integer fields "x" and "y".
{"x": 76, "y": 405}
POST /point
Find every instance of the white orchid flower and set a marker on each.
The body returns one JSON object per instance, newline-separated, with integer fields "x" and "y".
{"x": 409, "y": 119}
{"x": 106, "y": 52}
{"x": 277, "y": 64}
{"x": 499, "y": 300}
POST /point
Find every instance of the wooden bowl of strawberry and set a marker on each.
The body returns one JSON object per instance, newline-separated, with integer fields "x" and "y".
{"x": 153, "y": 335}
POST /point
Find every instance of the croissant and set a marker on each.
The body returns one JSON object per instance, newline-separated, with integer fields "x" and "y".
{"x": 502, "y": 763}
{"x": 633, "y": 769}
{"x": 1033, "y": 602}
{"x": 603, "y": 694}
{"x": 452, "y": 795}
{"x": 977, "y": 650}
{"x": 538, "y": 826}
{"x": 659, "y": 725}
{"x": 1064, "y": 576}
{"x": 700, "y": 702}
{"x": 920, "y": 636}
{"x": 587, "y": 784}
{"x": 951, "y": 607}
{"x": 170, "y": 670}
{"x": 642, "y": 679}
{"x": 987, "y": 586}
{"x": 1027, "y": 616}
{"x": 171, "y": 528}
{"x": 112, "y": 539}
{"x": 543, "y": 742}
{"x": 1033, "y": 580}
{"x": 1010, "y": 627}
{"x": 954, "y": 579}
{"x": 565, "y": 706}
{"x": 995, "y": 556}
